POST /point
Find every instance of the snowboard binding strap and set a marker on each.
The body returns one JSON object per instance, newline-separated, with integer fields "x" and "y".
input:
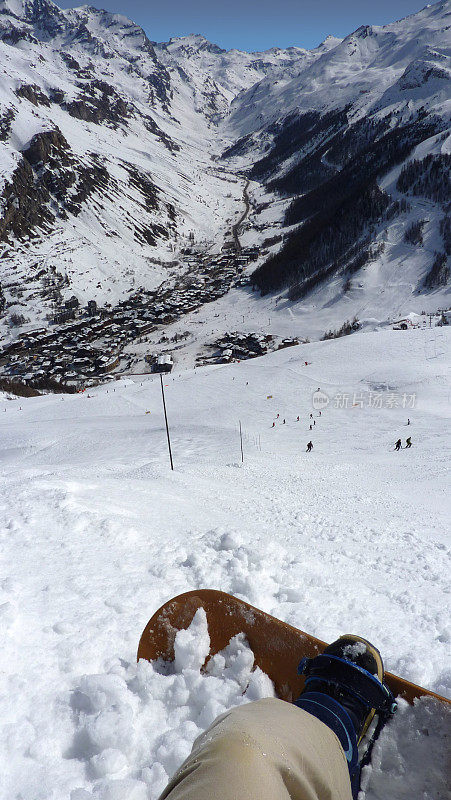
{"x": 355, "y": 680}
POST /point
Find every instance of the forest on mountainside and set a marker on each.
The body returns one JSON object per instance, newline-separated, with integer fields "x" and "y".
{"x": 339, "y": 215}
{"x": 430, "y": 177}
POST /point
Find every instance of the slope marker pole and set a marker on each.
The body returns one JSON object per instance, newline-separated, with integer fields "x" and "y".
{"x": 166, "y": 421}
{"x": 241, "y": 443}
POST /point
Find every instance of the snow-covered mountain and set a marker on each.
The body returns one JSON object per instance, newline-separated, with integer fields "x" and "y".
{"x": 116, "y": 175}
{"x": 106, "y": 152}
{"x": 161, "y": 180}
{"x": 218, "y": 76}
{"x": 351, "y": 120}
{"x": 369, "y": 69}
{"x": 123, "y": 164}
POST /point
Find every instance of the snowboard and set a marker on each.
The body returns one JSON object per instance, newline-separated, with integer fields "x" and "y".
{"x": 277, "y": 646}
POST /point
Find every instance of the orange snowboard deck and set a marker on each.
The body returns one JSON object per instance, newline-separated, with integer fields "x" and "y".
{"x": 277, "y": 647}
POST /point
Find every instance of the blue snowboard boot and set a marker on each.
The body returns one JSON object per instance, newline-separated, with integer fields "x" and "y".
{"x": 344, "y": 688}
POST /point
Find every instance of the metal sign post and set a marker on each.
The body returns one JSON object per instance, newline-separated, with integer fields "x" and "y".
{"x": 166, "y": 421}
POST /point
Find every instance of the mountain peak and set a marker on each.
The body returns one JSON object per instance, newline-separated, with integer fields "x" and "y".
{"x": 29, "y": 10}
{"x": 193, "y": 42}
{"x": 363, "y": 31}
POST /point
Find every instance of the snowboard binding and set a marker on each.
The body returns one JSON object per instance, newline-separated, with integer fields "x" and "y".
{"x": 345, "y": 689}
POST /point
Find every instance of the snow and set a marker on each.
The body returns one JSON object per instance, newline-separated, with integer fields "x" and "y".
{"x": 354, "y": 650}
{"x": 377, "y": 297}
{"x": 97, "y": 532}
{"x": 98, "y": 249}
{"x": 213, "y": 98}
{"x": 368, "y": 62}
{"x": 14, "y": 6}
{"x": 415, "y": 737}
{"x": 8, "y": 163}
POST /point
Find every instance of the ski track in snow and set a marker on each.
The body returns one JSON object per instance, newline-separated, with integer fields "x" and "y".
{"x": 96, "y": 533}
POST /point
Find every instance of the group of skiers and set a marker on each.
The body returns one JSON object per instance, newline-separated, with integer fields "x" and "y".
{"x": 312, "y": 424}
{"x": 398, "y": 444}
{"x": 284, "y": 420}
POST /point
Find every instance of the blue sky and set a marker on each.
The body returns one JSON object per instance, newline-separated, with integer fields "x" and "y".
{"x": 257, "y": 24}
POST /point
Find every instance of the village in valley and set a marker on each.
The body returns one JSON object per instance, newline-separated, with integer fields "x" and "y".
{"x": 83, "y": 345}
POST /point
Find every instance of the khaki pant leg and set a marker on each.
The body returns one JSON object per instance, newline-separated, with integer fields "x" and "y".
{"x": 266, "y": 750}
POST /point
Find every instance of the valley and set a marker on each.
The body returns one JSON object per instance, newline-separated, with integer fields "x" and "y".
{"x": 143, "y": 180}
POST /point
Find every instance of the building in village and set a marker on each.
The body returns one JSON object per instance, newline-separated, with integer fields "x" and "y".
{"x": 163, "y": 363}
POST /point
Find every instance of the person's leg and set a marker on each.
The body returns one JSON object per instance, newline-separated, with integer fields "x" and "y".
{"x": 266, "y": 750}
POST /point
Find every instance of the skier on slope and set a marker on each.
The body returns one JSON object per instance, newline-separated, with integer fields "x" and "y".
{"x": 408, "y": 442}
{"x": 307, "y": 750}
{"x": 398, "y": 445}
{"x": 309, "y": 446}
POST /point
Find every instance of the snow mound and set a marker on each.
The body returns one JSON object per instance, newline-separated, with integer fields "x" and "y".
{"x": 135, "y": 724}
{"x": 417, "y": 736}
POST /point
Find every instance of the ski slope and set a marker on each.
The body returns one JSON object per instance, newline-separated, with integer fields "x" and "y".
{"x": 96, "y": 532}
